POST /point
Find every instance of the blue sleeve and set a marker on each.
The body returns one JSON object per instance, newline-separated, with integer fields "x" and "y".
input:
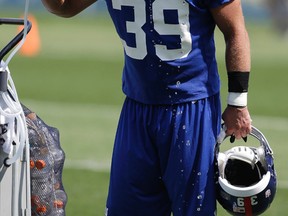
{"x": 208, "y": 3}
{"x": 215, "y": 3}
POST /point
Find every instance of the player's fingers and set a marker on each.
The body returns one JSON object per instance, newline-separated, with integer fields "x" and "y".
{"x": 245, "y": 139}
{"x": 232, "y": 139}
{"x": 229, "y": 131}
{"x": 245, "y": 132}
{"x": 249, "y": 129}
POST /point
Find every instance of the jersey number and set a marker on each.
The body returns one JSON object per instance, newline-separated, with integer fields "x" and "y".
{"x": 241, "y": 201}
{"x": 181, "y": 29}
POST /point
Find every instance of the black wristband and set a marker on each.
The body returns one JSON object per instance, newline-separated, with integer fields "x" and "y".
{"x": 238, "y": 81}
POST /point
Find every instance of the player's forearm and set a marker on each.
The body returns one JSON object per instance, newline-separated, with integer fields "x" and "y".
{"x": 238, "y": 63}
{"x": 236, "y": 115}
{"x": 66, "y": 8}
{"x": 238, "y": 56}
{"x": 230, "y": 20}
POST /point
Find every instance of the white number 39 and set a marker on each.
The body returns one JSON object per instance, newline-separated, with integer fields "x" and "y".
{"x": 181, "y": 29}
{"x": 241, "y": 202}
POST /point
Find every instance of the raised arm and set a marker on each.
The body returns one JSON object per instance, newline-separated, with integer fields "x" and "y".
{"x": 67, "y": 8}
{"x": 229, "y": 18}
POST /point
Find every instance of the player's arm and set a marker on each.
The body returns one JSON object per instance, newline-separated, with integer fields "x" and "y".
{"x": 230, "y": 20}
{"x": 67, "y": 8}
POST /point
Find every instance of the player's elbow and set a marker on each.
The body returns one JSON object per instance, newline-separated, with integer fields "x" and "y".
{"x": 64, "y": 13}
{"x": 61, "y": 10}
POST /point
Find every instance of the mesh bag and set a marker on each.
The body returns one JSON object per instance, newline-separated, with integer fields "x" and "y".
{"x": 48, "y": 196}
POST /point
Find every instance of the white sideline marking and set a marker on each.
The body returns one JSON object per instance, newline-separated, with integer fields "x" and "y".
{"x": 263, "y": 122}
{"x": 106, "y": 111}
{"x": 271, "y": 123}
{"x": 100, "y": 166}
{"x": 87, "y": 165}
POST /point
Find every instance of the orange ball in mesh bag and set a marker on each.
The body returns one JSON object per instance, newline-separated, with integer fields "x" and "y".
{"x": 35, "y": 200}
{"x": 41, "y": 209}
{"x": 58, "y": 203}
{"x": 40, "y": 164}
{"x": 32, "y": 164}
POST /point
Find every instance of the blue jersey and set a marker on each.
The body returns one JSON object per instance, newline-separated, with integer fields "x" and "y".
{"x": 169, "y": 49}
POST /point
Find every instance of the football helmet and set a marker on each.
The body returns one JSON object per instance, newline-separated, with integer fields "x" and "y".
{"x": 246, "y": 177}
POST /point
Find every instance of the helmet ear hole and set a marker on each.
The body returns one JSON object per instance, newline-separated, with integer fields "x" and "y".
{"x": 241, "y": 173}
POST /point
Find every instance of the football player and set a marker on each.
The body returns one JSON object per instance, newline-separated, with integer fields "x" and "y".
{"x": 163, "y": 158}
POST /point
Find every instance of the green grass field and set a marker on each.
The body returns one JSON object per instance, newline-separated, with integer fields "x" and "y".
{"x": 74, "y": 84}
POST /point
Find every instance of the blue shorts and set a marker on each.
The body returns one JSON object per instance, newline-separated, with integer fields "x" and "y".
{"x": 163, "y": 159}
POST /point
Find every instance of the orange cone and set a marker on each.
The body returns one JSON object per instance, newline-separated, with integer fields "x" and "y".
{"x": 32, "y": 44}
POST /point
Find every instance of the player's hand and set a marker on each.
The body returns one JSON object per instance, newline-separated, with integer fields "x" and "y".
{"x": 237, "y": 122}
